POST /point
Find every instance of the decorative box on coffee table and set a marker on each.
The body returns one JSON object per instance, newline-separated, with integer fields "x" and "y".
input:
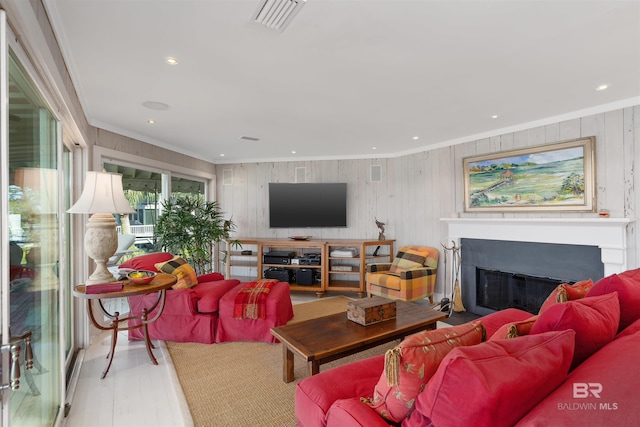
{"x": 368, "y": 311}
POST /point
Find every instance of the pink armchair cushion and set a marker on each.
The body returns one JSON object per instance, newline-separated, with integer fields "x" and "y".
{"x": 316, "y": 394}
{"x": 594, "y": 319}
{"x": 278, "y": 308}
{"x": 495, "y": 383}
{"x": 627, "y": 285}
{"x": 146, "y": 262}
{"x": 210, "y": 277}
{"x": 210, "y": 293}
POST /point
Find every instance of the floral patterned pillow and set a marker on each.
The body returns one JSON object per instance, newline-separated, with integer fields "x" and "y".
{"x": 410, "y": 365}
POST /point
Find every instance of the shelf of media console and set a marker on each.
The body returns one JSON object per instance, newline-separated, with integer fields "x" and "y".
{"x": 339, "y": 280}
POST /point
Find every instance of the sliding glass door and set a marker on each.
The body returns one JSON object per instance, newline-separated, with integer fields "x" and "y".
{"x": 31, "y": 238}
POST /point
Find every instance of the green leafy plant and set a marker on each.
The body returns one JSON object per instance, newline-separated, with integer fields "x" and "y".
{"x": 190, "y": 227}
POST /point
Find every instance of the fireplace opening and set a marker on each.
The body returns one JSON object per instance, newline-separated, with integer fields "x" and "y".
{"x": 526, "y": 265}
{"x": 498, "y": 290}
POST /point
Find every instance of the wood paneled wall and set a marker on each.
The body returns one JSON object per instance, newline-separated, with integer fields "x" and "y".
{"x": 417, "y": 190}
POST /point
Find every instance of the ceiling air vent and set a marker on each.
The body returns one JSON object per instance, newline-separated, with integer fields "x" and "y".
{"x": 276, "y": 14}
{"x": 250, "y": 138}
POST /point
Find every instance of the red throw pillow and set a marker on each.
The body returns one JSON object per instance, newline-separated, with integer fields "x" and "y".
{"x": 566, "y": 292}
{"x": 410, "y": 365}
{"x": 514, "y": 329}
{"x": 146, "y": 262}
{"x": 627, "y": 285}
{"x": 595, "y": 320}
{"x": 494, "y": 383}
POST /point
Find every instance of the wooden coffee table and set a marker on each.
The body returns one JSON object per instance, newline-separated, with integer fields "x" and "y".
{"x": 332, "y": 337}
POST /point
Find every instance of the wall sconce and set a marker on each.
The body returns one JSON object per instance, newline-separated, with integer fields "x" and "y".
{"x": 102, "y": 196}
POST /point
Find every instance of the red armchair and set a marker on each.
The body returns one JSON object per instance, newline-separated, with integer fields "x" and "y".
{"x": 190, "y": 315}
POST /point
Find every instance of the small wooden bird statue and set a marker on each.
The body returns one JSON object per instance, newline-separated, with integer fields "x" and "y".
{"x": 227, "y": 225}
{"x": 380, "y": 226}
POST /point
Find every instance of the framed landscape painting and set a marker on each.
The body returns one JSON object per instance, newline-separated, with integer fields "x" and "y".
{"x": 553, "y": 177}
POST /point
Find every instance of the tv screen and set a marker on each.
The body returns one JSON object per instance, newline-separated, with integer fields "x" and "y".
{"x": 307, "y": 205}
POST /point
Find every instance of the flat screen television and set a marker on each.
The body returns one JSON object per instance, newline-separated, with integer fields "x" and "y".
{"x": 298, "y": 205}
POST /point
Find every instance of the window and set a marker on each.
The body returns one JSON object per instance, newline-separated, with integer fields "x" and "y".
{"x": 145, "y": 190}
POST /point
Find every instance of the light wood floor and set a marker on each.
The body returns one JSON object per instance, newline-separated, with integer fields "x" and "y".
{"x": 135, "y": 393}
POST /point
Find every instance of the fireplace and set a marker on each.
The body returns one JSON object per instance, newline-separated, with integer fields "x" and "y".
{"x": 498, "y": 274}
{"x": 534, "y": 249}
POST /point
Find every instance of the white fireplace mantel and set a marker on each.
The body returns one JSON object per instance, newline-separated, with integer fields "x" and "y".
{"x": 609, "y": 234}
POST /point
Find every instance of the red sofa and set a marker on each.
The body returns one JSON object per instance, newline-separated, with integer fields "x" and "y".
{"x": 574, "y": 365}
{"x": 193, "y": 314}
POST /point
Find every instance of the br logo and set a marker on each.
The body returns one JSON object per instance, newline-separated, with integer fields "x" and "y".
{"x": 584, "y": 390}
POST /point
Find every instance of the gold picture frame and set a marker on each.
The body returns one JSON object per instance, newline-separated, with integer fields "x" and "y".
{"x": 551, "y": 177}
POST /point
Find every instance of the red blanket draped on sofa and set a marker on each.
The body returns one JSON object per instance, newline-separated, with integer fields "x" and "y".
{"x": 250, "y": 301}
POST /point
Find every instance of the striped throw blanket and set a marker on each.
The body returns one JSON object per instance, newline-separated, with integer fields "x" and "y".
{"x": 251, "y": 300}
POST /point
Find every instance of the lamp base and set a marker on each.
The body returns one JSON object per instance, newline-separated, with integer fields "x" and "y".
{"x": 101, "y": 243}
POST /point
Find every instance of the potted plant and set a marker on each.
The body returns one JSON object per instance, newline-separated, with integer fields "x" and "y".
{"x": 190, "y": 227}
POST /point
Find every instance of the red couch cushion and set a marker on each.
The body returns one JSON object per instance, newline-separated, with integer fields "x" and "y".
{"x": 316, "y": 394}
{"x": 147, "y": 261}
{"x": 595, "y": 320}
{"x": 494, "y": 383}
{"x": 410, "y": 365}
{"x": 353, "y": 413}
{"x": 627, "y": 285}
{"x": 613, "y": 369}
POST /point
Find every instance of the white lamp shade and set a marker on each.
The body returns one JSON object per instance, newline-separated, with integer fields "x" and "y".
{"x": 102, "y": 193}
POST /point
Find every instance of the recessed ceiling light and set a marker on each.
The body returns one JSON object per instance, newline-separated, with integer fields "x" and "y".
{"x": 416, "y": 137}
{"x": 293, "y": 151}
{"x": 374, "y": 148}
{"x": 153, "y": 105}
{"x": 172, "y": 61}
{"x": 151, "y": 122}
{"x": 495, "y": 116}
{"x": 602, "y": 87}
{"x": 221, "y": 155}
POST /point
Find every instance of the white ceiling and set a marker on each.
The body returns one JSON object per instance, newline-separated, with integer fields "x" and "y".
{"x": 346, "y": 75}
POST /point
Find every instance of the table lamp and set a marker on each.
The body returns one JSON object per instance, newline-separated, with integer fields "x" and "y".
{"x": 101, "y": 196}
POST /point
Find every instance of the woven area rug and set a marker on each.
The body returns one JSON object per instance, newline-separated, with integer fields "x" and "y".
{"x": 240, "y": 384}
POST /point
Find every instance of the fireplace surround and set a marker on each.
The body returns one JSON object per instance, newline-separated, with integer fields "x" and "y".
{"x": 601, "y": 241}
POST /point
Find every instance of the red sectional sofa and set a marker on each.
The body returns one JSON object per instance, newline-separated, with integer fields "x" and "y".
{"x": 193, "y": 314}
{"x": 571, "y": 365}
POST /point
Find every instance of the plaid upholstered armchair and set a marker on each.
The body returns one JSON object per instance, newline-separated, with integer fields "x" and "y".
{"x": 411, "y": 275}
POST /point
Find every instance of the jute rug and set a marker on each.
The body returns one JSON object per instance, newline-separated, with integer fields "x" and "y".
{"x": 240, "y": 384}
